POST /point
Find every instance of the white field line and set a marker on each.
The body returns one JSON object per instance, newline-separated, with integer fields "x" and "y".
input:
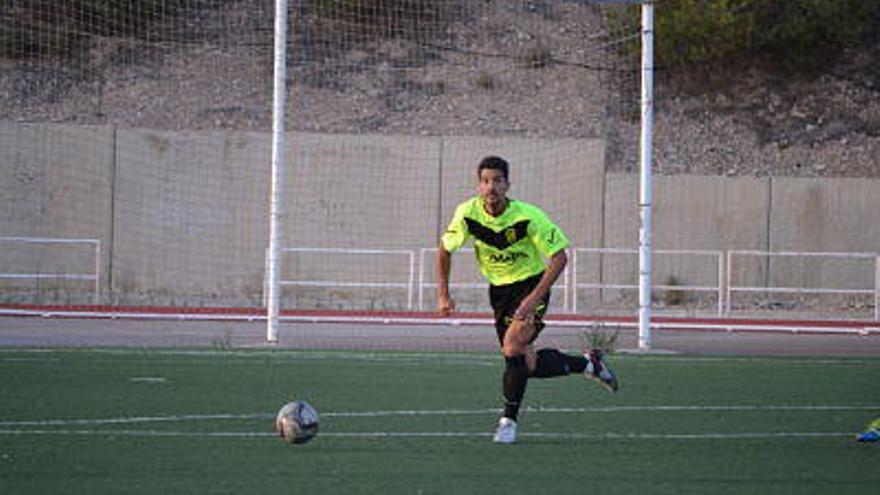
{"x": 869, "y": 327}
{"x": 252, "y": 353}
{"x": 136, "y": 420}
{"x": 416, "y": 434}
{"x": 440, "y": 412}
{"x": 148, "y": 379}
{"x": 608, "y": 409}
{"x": 598, "y": 436}
{"x": 417, "y": 357}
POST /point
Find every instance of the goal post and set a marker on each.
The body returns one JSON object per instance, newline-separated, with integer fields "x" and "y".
{"x": 279, "y": 164}
{"x": 646, "y": 182}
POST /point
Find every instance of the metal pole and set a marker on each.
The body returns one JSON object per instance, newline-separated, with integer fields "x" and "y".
{"x": 720, "y": 283}
{"x": 276, "y": 214}
{"x": 877, "y": 289}
{"x": 574, "y": 281}
{"x": 97, "y": 271}
{"x": 645, "y": 181}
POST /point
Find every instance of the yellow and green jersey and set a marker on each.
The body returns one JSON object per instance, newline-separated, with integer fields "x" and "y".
{"x": 510, "y": 247}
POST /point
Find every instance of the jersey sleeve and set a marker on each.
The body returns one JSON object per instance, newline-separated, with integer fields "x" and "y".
{"x": 456, "y": 233}
{"x": 546, "y": 235}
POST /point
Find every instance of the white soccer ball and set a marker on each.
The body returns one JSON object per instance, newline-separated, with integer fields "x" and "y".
{"x": 297, "y": 422}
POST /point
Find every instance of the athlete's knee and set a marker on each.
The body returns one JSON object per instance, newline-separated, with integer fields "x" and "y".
{"x": 512, "y": 348}
{"x": 517, "y": 337}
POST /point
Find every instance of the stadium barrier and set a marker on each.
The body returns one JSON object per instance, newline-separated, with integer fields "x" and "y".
{"x": 732, "y": 271}
{"x": 60, "y": 270}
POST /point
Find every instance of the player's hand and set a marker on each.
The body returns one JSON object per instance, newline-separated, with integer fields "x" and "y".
{"x": 445, "y": 305}
{"x": 526, "y": 310}
{"x": 519, "y": 324}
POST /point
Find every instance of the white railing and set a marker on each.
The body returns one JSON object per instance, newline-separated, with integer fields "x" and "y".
{"x": 718, "y": 288}
{"x": 765, "y": 288}
{"x": 725, "y": 267}
{"x": 407, "y": 286}
{"x": 424, "y": 259}
{"x": 94, "y": 277}
{"x": 719, "y": 262}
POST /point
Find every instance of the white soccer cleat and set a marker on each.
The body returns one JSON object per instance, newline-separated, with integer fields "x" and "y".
{"x": 506, "y": 432}
{"x": 599, "y": 371}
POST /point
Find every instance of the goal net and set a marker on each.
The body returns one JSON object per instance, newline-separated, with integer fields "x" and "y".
{"x": 135, "y": 146}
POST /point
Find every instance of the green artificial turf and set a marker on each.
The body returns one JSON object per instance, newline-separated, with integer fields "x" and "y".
{"x": 200, "y": 421}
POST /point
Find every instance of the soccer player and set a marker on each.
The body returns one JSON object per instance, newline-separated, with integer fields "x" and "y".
{"x": 511, "y": 241}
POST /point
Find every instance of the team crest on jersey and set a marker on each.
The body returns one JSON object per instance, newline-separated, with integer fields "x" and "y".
{"x": 510, "y": 235}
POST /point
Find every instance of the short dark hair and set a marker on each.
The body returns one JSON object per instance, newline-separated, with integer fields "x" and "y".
{"x": 494, "y": 163}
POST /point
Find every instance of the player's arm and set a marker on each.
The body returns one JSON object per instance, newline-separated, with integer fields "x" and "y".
{"x": 554, "y": 268}
{"x": 445, "y": 303}
{"x": 551, "y": 241}
{"x": 453, "y": 238}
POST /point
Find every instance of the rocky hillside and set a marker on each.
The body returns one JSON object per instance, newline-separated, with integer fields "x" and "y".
{"x": 531, "y": 68}
{"x": 760, "y": 122}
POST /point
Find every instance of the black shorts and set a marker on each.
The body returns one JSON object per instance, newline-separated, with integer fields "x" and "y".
{"x": 506, "y": 298}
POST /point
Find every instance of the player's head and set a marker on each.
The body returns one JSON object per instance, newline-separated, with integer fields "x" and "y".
{"x": 494, "y": 163}
{"x": 492, "y": 184}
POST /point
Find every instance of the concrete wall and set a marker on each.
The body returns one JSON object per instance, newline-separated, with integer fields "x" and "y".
{"x": 399, "y": 192}
{"x": 825, "y": 216}
{"x": 696, "y": 213}
{"x": 182, "y": 217}
{"x": 190, "y": 217}
{"x": 55, "y": 181}
{"x": 758, "y": 214}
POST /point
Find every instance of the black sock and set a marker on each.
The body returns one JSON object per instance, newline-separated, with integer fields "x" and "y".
{"x": 552, "y": 363}
{"x": 516, "y": 375}
{"x": 577, "y": 363}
